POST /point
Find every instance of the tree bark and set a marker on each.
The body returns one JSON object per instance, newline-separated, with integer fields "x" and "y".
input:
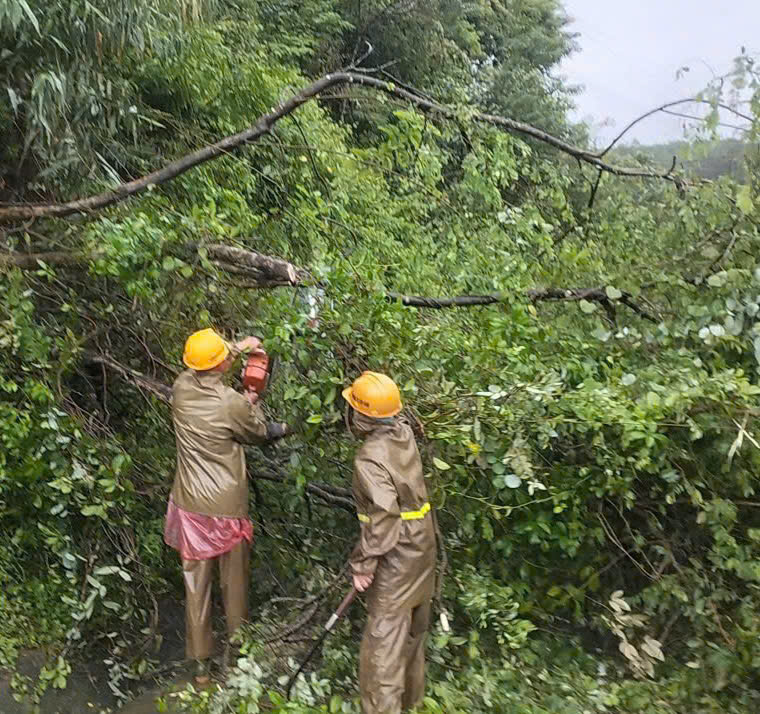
{"x": 257, "y": 265}
{"x": 263, "y": 270}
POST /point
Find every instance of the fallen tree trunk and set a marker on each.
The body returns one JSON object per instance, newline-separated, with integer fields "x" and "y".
{"x": 263, "y": 270}
{"x": 270, "y": 271}
{"x": 264, "y": 124}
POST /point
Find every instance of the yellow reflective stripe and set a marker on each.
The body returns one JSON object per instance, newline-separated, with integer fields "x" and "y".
{"x": 414, "y": 515}
{"x": 405, "y": 515}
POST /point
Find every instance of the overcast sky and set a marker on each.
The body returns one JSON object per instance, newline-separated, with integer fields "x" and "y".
{"x": 631, "y": 50}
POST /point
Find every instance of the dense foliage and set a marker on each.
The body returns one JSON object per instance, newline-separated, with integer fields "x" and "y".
{"x": 593, "y": 460}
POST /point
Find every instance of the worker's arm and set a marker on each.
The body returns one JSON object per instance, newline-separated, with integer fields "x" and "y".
{"x": 380, "y": 519}
{"x": 249, "y": 344}
{"x": 247, "y": 422}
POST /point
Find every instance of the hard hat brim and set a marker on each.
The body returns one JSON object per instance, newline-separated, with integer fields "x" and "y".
{"x": 348, "y": 396}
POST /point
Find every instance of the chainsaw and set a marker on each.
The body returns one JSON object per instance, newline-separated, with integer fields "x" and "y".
{"x": 257, "y": 371}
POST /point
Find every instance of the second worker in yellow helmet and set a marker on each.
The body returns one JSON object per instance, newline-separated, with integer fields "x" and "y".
{"x": 394, "y": 560}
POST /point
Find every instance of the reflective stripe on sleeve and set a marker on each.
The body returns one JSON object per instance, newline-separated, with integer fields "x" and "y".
{"x": 414, "y": 515}
{"x": 405, "y": 515}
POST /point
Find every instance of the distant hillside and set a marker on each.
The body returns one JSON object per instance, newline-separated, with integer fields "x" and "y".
{"x": 708, "y": 160}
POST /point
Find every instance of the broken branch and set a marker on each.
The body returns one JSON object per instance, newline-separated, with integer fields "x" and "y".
{"x": 264, "y": 124}
{"x": 159, "y": 389}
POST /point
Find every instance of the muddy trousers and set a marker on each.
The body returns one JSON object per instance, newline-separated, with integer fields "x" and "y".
{"x": 198, "y": 574}
{"x": 392, "y": 660}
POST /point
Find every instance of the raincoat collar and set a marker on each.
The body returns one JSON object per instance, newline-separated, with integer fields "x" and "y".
{"x": 362, "y": 426}
{"x": 208, "y": 377}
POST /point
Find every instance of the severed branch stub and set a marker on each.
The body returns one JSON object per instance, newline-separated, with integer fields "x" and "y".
{"x": 265, "y": 269}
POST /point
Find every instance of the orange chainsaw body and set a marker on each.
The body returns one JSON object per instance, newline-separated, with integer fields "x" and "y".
{"x": 256, "y": 372}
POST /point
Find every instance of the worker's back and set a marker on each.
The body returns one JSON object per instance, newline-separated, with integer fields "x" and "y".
{"x": 210, "y": 421}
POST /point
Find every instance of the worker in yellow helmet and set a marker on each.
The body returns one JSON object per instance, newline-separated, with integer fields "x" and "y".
{"x": 394, "y": 560}
{"x": 206, "y": 520}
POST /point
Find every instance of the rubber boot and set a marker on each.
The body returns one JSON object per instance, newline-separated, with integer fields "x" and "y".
{"x": 201, "y": 675}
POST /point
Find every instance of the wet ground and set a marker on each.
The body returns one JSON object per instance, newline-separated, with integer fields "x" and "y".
{"x": 87, "y": 690}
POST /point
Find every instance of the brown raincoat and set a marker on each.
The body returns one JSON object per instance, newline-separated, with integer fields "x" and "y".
{"x": 398, "y": 546}
{"x": 211, "y": 422}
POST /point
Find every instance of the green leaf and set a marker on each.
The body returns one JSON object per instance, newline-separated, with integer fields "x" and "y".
{"x": 587, "y": 307}
{"x": 28, "y": 12}
{"x": 613, "y": 293}
{"x": 94, "y": 510}
{"x": 314, "y": 419}
{"x": 106, "y": 570}
{"x": 440, "y": 465}
{"x": 601, "y": 334}
{"x": 744, "y": 200}
{"x": 512, "y": 481}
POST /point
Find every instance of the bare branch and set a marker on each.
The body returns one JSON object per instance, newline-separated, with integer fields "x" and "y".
{"x": 438, "y": 303}
{"x": 159, "y": 389}
{"x": 31, "y": 261}
{"x": 263, "y": 126}
{"x": 694, "y": 117}
{"x": 598, "y": 295}
{"x": 663, "y": 108}
{"x": 594, "y": 189}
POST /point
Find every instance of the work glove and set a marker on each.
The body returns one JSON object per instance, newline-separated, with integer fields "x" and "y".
{"x": 276, "y": 430}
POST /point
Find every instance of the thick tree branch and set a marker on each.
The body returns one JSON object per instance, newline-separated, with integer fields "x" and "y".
{"x": 598, "y": 295}
{"x": 264, "y": 267}
{"x": 262, "y": 270}
{"x": 437, "y": 303}
{"x": 325, "y": 492}
{"x": 264, "y": 124}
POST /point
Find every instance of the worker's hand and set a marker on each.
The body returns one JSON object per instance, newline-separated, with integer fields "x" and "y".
{"x": 252, "y": 396}
{"x": 278, "y": 430}
{"x": 362, "y": 582}
{"x": 249, "y": 344}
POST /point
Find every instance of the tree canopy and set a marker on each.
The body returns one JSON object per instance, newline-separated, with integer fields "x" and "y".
{"x": 575, "y": 334}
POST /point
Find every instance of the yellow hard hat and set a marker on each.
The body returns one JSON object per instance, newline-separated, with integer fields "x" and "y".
{"x": 204, "y": 350}
{"x": 374, "y": 395}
